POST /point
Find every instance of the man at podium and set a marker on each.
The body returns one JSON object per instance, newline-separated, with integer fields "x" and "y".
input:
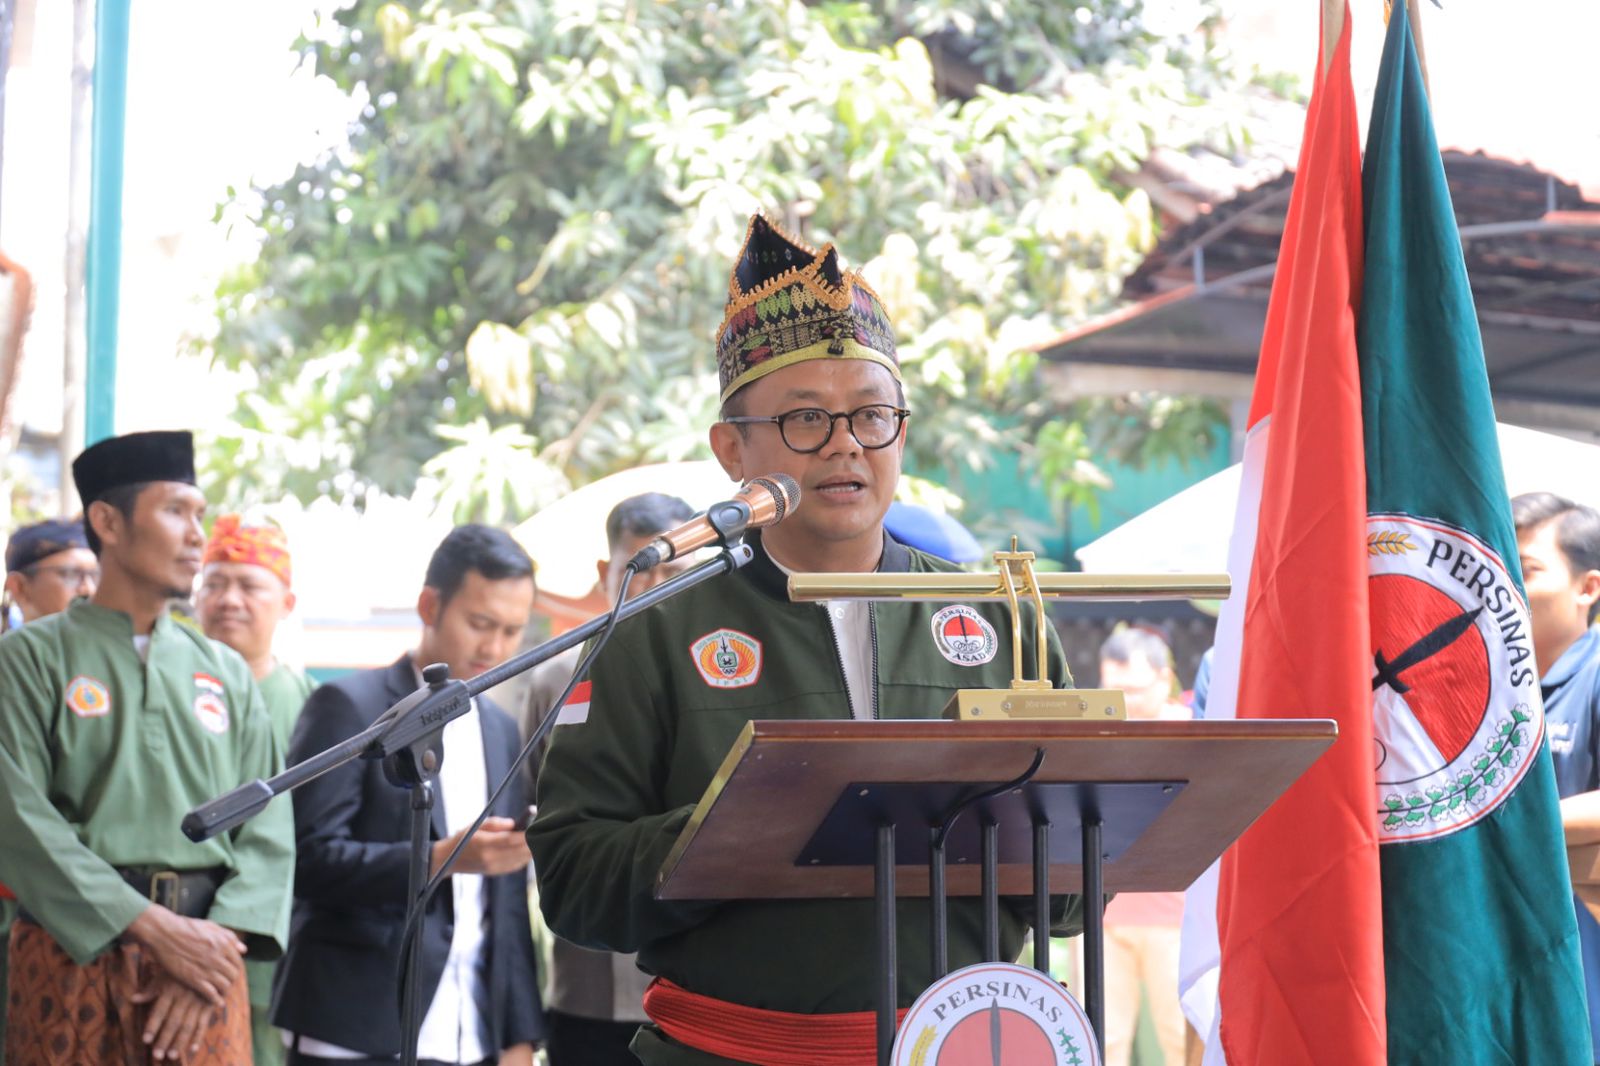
{"x": 810, "y": 388}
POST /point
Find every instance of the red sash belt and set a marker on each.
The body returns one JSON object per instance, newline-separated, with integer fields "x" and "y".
{"x": 762, "y": 1037}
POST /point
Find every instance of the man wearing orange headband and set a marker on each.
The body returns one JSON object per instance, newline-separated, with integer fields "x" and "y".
{"x": 245, "y": 591}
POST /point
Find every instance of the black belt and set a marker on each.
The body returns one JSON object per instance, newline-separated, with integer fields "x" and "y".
{"x": 185, "y": 892}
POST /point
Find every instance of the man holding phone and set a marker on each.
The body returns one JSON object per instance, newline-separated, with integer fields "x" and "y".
{"x": 335, "y": 991}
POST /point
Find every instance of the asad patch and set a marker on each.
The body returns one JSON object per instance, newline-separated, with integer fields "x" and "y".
{"x": 87, "y": 698}
{"x": 964, "y": 636}
{"x": 209, "y": 706}
{"x": 1457, "y": 711}
{"x": 727, "y": 658}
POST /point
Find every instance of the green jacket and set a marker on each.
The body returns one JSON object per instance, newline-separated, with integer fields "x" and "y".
{"x": 616, "y": 789}
{"x": 101, "y": 755}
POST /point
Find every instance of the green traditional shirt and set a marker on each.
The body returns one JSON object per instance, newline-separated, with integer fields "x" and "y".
{"x": 101, "y": 755}
{"x": 284, "y": 691}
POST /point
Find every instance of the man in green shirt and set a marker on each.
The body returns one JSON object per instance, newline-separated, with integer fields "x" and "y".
{"x": 245, "y": 591}
{"x": 117, "y": 721}
{"x": 47, "y": 564}
{"x": 810, "y": 388}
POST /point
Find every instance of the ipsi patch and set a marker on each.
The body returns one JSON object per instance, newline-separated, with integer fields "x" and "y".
{"x": 964, "y": 636}
{"x": 209, "y": 707}
{"x": 87, "y": 698}
{"x": 727, "y": 658}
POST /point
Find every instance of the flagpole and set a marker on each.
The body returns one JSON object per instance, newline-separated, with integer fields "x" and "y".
{"x": 1332, "y": 27}
{"x": 1414, "y": 12}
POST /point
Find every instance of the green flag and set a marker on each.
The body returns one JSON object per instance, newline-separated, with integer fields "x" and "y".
{"x": 1480, "y": 942}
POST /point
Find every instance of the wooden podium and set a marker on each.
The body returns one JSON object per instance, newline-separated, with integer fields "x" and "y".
{"x": 847, "y": 809}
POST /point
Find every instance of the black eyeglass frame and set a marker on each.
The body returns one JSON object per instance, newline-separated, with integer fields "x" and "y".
{"x": 900, "y": 416}
{"x": 63, "y": 572}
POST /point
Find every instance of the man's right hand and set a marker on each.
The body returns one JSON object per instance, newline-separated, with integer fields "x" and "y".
{"x": 498, "y": 847}
{"x": 201, "y": 954}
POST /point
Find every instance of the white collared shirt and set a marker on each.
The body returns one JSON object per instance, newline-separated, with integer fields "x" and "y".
{"x": 455, "y": 1028}
{"x": 852, "y": 636}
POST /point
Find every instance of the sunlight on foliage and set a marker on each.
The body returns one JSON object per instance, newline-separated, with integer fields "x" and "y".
{"x": 507, "y": 280}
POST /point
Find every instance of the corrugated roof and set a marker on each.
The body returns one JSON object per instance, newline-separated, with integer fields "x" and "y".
{"x": 1533, "y": 256}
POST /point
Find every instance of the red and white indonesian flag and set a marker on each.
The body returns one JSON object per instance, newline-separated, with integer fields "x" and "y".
{"x": 1283, "y": 945}
{"x": 576, "y": 710}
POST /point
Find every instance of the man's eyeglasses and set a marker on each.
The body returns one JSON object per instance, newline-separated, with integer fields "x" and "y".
{"x": 806, "y": 430}
{"x": 71, "y": 576}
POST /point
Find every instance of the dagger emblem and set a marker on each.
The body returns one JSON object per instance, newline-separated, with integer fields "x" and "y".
{"x": 1442, "y": 636}
{"x": 994, "y": 1031}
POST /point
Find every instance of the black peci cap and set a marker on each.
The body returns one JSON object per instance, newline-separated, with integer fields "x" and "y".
{"x": 165, "y": 455}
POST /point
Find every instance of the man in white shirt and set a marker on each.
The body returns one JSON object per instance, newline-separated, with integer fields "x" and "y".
{"x": 336, "y": 996}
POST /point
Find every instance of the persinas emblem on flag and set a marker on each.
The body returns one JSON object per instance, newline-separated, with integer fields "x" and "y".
{"x": 1455, "y": 695}
{"x": 995, "y": 1012}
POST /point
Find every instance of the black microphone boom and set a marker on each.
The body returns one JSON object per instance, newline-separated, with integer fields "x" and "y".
{"x": 762, "y": 502}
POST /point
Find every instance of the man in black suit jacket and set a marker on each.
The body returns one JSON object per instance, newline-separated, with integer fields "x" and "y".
{"x": 336, "y": 989}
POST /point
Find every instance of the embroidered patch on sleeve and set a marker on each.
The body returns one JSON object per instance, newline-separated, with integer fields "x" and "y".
{"x": 576, "y": 710}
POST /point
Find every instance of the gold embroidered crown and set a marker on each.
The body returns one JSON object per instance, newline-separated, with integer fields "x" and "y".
{"x": 788, "y": 304}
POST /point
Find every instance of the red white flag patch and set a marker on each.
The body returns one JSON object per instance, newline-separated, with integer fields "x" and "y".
{"x": 576, "y": 710}
{"x": 209, "y": 707}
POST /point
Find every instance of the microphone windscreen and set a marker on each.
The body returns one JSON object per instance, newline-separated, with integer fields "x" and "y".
{"x": 785, "y": 493}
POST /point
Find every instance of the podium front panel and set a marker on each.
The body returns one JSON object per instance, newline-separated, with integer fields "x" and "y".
{"x": 778, "y": 819}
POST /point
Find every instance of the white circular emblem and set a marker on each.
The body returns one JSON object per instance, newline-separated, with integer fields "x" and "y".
{"x": 999, "y": 1013}
{"x": 1455, "y": 694}
{"x": 964, "y": 636}
{"x": 212, "y": 712}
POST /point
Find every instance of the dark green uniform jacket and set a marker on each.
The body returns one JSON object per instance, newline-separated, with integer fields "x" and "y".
{"x": 665, "y": 707}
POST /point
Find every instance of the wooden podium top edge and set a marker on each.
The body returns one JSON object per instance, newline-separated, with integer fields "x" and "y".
{"x": 774, "y": 735}
{"x": 938, "y": 729}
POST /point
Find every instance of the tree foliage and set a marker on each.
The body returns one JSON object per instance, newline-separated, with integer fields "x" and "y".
{"x": 507, "y": 280}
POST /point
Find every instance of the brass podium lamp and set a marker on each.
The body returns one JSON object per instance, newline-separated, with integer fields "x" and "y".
{"x": 1014, "y": 578}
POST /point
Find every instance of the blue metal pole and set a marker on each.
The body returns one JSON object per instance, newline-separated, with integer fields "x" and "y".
{"x": 103, "y": 254}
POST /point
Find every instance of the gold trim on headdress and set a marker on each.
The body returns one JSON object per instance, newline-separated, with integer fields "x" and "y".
{"x": 819, "y": 350}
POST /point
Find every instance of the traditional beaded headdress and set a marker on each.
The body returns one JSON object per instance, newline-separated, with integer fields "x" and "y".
{"x": 788, "y": 304}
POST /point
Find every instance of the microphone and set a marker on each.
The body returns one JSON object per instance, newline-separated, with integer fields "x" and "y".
{"x": 762, "y": 502}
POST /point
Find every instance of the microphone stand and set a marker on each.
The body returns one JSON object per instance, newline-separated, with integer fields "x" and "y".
{"x": 407, "y": 737}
